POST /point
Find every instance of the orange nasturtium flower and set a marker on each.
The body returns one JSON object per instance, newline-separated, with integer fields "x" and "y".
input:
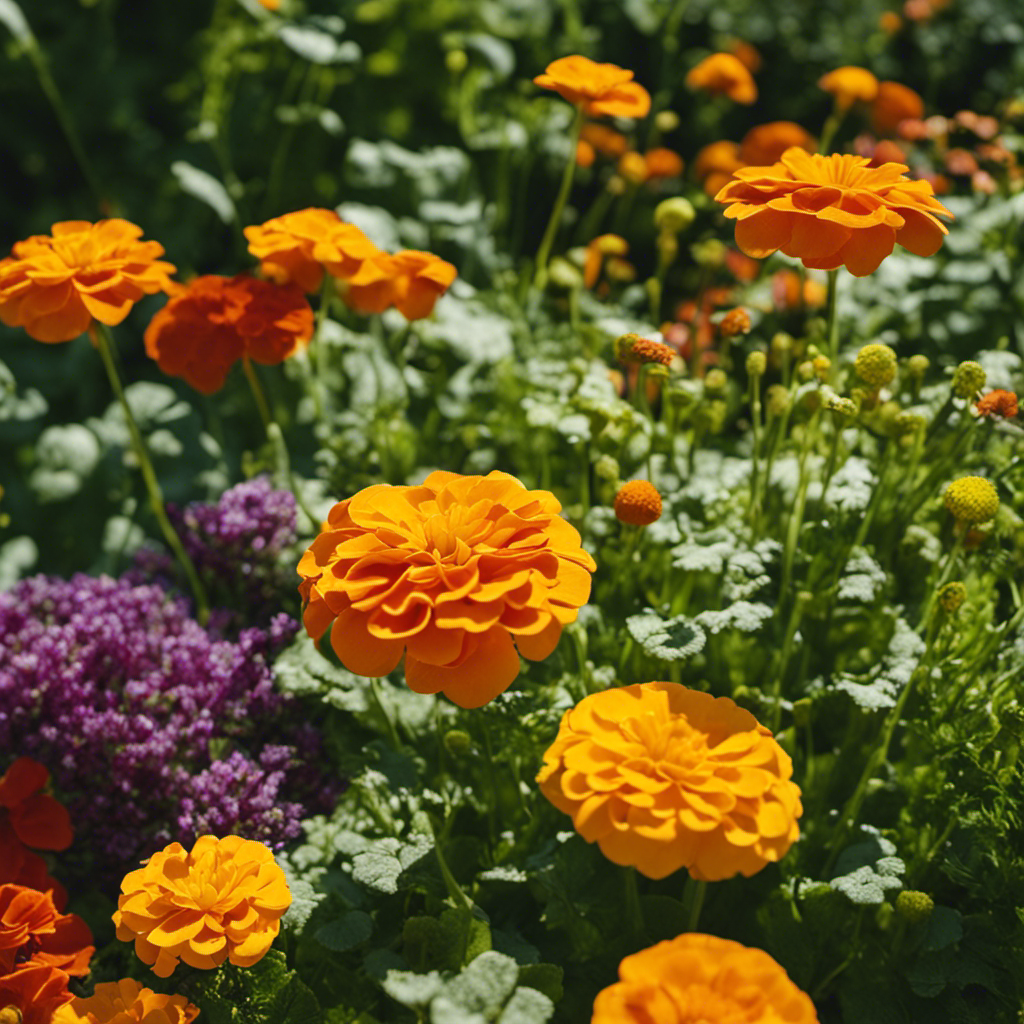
{"x": 215, "y": 321}
{"x": 832, "y": 211}
{"x": 298, "y": 247}
{"x": 34, "y": 933}
{"x": 222, "y": 900}
{"x": 127, "y": 1002}
{"x": 56, "y": 285}
{"x": 410, "y": 280}
{"x": 850, "y": 85}
{"x": 35, "y": 991}
{"x": 702, "y": 978}
{"x": 892, "y": 104}
{"x": 765, "y": 143}
{"x": 662, "y": 777}
{"x": 600, "y": 89}
{"x": 461, "y": 574}
{"x": 723, "y": 73}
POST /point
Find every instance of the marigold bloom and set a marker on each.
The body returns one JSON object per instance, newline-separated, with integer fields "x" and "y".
{"x": 56, "y": 285}
{"x": 723, "y": 73}
{"x": 832, "y": 211}
{"x": 596, "y": 251}
{"x": 215, "y": 321}
{"x": 601, "y": 89}
{"x": 33, "y": 931}
{"x": 747, "y": 54}
{"x": 702, "y": 978}
{"x": 789, "y": 291}
{"x": 35, "y": 991}
{"x": 715, "y": 164}
{"x": 662, "y": 777}
{"x": 892, "y": 104}
{"x": 736, "y": 321}
{"x": 633, "y": 167}
{"x": 298, "y": 247}
{"x": 972, "y": 499}
{"x": 765, "y": 143}
{"x": 890, "y": 22}
{"x": 585, "y": 155}
{"x": 663, "y": 163}
{"x": 850, "y": 85}
{"x": 638, "y": 503}
{"x": 223, "y": 900}
{"x": 631, "y": 348}
{"x": 998, "y": 403}
{"x": 456, "y": 574}
{"x": 409, "y": 280}
{"x": 607, "y": 141}
{"x": 127, "y": 1002}
{"x": 27, "y": 815}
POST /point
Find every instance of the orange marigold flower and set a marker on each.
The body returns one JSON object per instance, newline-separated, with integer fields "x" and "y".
{"x": 298, "y": 247}
{"x": 662, "y": 777}
{"x": 34, "y": 932}
{"x": 747, "y": 54}
{"x": 715, "y": 164}
{"x": 723, "y": 73}
{"x": 998, "y": 403}
{"x": 596, "y": 251}
{"x": 832, "y": 211}
{"x": 409, "y": 280}
{"x": 631, "y": 348}
{"x": 892, "y": 104}
{"x": 663, "y": 163}
{"x": 222, "y": 900}
{"x": 607, "y": 141}
{"x": 850, "y": 85}
{"x": 585, "y": 155}
{"x": 215, "y": 321}
{"x": 786, "y": 286}
{"x": 960, "y": 162}
{"x": 638, "y": 502}
{"x": 601, "y": 89}
{"x": 127, "y": 1002}
{"x": 35, "y": 992}
{"x": 702, "y": 978}
{"x": 456, "y": 574}
{"x": 765, "y": 143}
{"x": 633, "y": 167}
{"x": 890, "y": 22}
{"x": 56, "y": 285}
{"x": 736, "y": 321}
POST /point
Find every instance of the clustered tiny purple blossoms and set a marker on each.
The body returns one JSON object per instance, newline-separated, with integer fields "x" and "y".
{"x": 123, "y": 695}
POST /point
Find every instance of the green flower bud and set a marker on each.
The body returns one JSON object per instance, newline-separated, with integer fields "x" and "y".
{"x": 914, "y": 907}
{"x": 822, "y": 365}
{"x": 952, "y": 596}
{"x": 918, "y": 366}
{"x": 457, "y": 742}
{"x": 715, "y": 382}
{"x": 562, "y": 274}
{"x": 777, "y": 400}
{"x": 841, "y": 406}
{"x": 876, "y": 365}
{"x": 710, "y": 253}
{"x": 666, "y": 120}
{"x": 756, "y": 364}
{"x": 674, "y": 215}
{"x": 455, "y": 61}
{"x": 607, "y": 468}
{"x": 968, "y": 379}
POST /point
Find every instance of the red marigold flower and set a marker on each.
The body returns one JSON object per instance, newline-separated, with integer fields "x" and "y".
{"x": 215, "y": 321}
{"x": 998, "y": 403}
{"x": 832, "y": 211}
{"x": 601, "y": 89}
{"x": 33, "y": 931}
{"x": 723, "y": 73}
{"x": 56, "y": 285}
{"x": 35, "y": 992}
{"x": 736, "y": 321}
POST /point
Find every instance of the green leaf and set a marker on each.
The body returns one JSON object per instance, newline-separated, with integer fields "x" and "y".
{"x": 527, "y": 1006}
{"x": 380, "y": 867}
{"x": 485, "y": 984}
{"x": 317, "y": 46}
{"x": 545, "y": 978}
{"x": 943, "y": 929}
{"x": 412, "y": 990}
{"x": 347, "y": 931}
{"x": 671, "y": 640}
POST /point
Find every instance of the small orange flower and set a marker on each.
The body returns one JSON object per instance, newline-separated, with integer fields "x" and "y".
{"x": 35, "y": 991}
{"x": 786, "y": 291}
{"x": 702, "y": 978}
{"x": 601, "y": 89}
{"x": 410, "y": 280}
{"x": 850, "y": 85}
{"x": 607, "y": 141}
{"x": 596, "y": 251}
{"x": 663, "y": 163}
{"x": 747, "y": 54}
{"x": 890, "y": 22}
{"x": 223, "y": 900}
{"x": 736, "y": 321}
{"x": 832, "y": 211}
{"x": 638, "y": 503}
{"x": 632, "y": 349}
{"x": 215, "y": 321}
{"x": 633, "y": 167}
{"x": 662, "y": 777}
{"x": 765, "y": 143}
{"x": 456, "y": 574}
{"x": 298, "y": 247}
{"x": 723, "y": 73}
{"x": 56, "y": 285}
{"x": 998, "y": 403}
{"x": 33, "y": 932}
{"x": 894, "y": 103}
{"x": 585, "y": 155}
{"x": 715, "y": 164}
{"x": 127, "y": 1002}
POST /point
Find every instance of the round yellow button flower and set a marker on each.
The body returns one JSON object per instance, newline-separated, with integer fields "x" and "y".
{"x": 126, "y": 1002}
{"x": 876, "y": 365}
{"x": 222, "y": 900}
{"x": 662, "y": 777}
{"x": 702, "y": 978}
{"x": 972, "y": 499}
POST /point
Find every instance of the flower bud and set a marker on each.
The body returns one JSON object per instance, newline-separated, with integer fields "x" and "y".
{"x": 619, "y": 269}
{"x": 631, "y": 348}
{"x": 968, "y": 379}
{"x": 781, "y": 347}
{"x": 822, "y": 365}
{"x": 876, "y": 365}
{"x": 715, "y": 382}
{"x": 777, "y": 400}
{"x": 457, "y": 742}
{"x": 909, "y": 422}
{"x": 666, "y": 120}
{"x": 710, "y": 253}
{"x": 914, "y": 907}
{"x": 736, "y": 321}
{"x": 802, "y": 711}
{"x": 674, "y": 215}
{"x": 455, "y": 61}
{"x": 952, "y": 596}
{"x": 562, "y": 274}
{"x": 841, "y": 406}
{"x": 972, "y": 499}
{"x": 918, "y": 366}
{"x": 805, "y": 371}
{"x": 607, "y": 468}
{"x": 756, "y": 364}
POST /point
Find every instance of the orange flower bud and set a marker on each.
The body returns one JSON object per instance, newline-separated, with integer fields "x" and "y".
{"x": 638, "y": 503}
{"x": 726, "y": 74}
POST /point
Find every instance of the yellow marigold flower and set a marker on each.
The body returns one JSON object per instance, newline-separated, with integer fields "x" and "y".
{"x": 968, "y": 379}
{"x": 972, "y": 499}
{"x": 300, "y": 246}
{"x": 702, "y": 978}
{"x": 850, "y": 85}
{"x": 876, "y": 365}
{"x": 601, "y": 89}
{"x": 56, "y": 285}
{"x": 662, "y": 777}
{"x": 126, "y": 1002}
{"x": 723, "y": 73}
{"x": 638, "y": 503}
{"x": 460, "y": 574}
{"x": 222, "y": 900}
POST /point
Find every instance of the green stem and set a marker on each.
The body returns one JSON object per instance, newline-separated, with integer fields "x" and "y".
{"x": 755, "y": 417}
{"x": 698, "y": 892}
{"x": 831, "y": 126}
{"x": 833, "y": 321}
{"x": 796, "y": 517}
{"x": 318, "y": 350}
{"x": 544, "y": 252}
{"x": 104, "y": 342}
{"x": 389, "y": 722}
{"x": 634, "y": 915}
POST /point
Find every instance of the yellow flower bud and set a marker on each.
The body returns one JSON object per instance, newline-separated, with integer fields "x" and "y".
{"x": 674, "y": 215}
{"x": 972, "y": 499}
{"x": 968, "y": 379}
{"x": 876, "y": 365}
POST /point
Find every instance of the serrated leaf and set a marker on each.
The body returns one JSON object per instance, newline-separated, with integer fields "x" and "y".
{"x": 206, "y": 188}
{"x": 527, "y": 1006}
{"x": 669, "y": 639}
{"x": 485, "y": 984}
{"x": 346, "y": 932}
{"x": 410, "y": 989}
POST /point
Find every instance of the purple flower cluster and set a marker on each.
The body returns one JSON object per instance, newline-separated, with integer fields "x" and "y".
{"x": 129, "y": 701}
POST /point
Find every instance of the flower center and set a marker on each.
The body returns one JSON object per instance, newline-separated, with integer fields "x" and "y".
{"x": 673, "y": 741}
